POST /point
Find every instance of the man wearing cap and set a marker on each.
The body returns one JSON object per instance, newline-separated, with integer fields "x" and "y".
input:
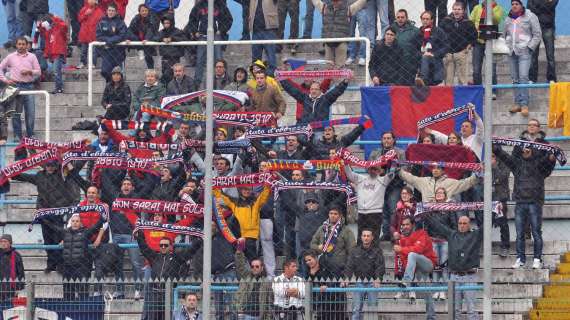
{"x": 309, "y": 220}
{"x": 11, "y": 269}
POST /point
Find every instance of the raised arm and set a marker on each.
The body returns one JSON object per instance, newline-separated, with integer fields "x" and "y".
{"x": 147, "y": 252}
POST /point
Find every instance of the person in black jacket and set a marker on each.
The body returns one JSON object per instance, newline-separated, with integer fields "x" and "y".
{"x": 165, "y": 265}
{"x": 501, "y": 193}
{"x": 433, "y": 47}
{"x": 289, "y": 205}
{"x": 529, "y": 168}
{"x": 170, "y": 54}
{"x": 181, "y": 83}
{"x": 144, "y": 27}
{"x": 545, "y": 10}
{"x": 111, "y": 29}
{"x": 310, "y": 219}
{"x": 12, "y": 274}
{"x": 116, "y": 98}
{"x": 169, "y": 185}
{"x": 321, "y": 148}
{"x": 326, "y": 305}
{"x": 386, "y": 61}
{"x": 54, "y": 191}
{"x": 76, "y": 256}
{"x": 461, "y": 35}
{"x": 30, "y": 12}
{"x": 197, "y": 27}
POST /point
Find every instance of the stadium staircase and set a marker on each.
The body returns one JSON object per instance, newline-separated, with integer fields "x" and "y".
{"x": 515, "y": 292}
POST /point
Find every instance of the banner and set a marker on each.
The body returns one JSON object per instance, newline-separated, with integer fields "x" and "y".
{"x": 157, "y": 206}
{"x": 246, "y": 180}
{"x": 167, "y": 227}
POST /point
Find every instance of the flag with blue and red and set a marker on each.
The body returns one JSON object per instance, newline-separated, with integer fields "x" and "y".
{"x": 399, "y": 109}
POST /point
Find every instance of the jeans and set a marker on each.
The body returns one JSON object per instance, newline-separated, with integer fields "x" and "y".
{"x": 247, "y": 317}
{"x": 520, "y": 66}
{"x": 25, "y": 104}
{"x": 134, "y": 256}
{"x": 366, "y": 19}
{"x": 469, "y": 296}
{"x": 201, "y": 58}
{"x": 383, "y": 10}
{"x": 266, "y": 235}
{"x": 57, "y": 67}
{"x": 245, "y": 18}
{"x": 12, "y": 10}
{"x": 390, "y": 200}
{"x": 548, "y": 36}
{"x": 308, "y": 28}
{"x": 478, "y": 56}
{"x": 257, "y": 49}
{"x": 418, "y": 267}
{"x": 440, "y": 249}
{"x": 73, "y": 8}
{"x": 85, "y": 51}
{"x": 358, "y": 300}
{"x": 290, "y": 7}
{"x": 529, "y": 212}
{"x": 431, "y": 70}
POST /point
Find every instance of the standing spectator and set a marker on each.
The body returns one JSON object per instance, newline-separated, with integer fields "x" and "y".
{"x": 245, "y": 33}
{"x": 335, "y": 241}
{"x": 239, "y": 82}
{"x": 12, "y": 274}
{"x": 464, "y": 248}
{"x": 288, "y": 292}
{"x": 170, "y": 55}
{"x": 545, "y": 10}
{"x": 326, "y": 305}
{"x": 461, "y": 35}
{"x": 366, "y": 21}
{"x": 479, "y": 17}
{"x": 89, "y": 17}
{"x": 290, "y": 7}
{"x": 501, "y": 192}
{"x": 116, "y": 98}
{"x": 406, "y": 33}
{"x": 522, "y": 33}
{"x": 121, "y": 6}
{"x": 309, "y": 221}
{"x": 386, "y": 61}
{"x": 395, "y": 186}
{"x": 415, "y": 259}
{"x": 529, "y": 168}
{"x": 385, "y": 9}
{"x": 428, "y": 185}
{"x": 149, "y": 93}
{"x": 73, "y": 9}
{"x": 267, "y": 98}
{"x": 336, "y": 24}
{"x": 471, "y": 136}
{"x": 290, "y": 203}
{"x": 371, "y": 189}
{"x": 254, "y": 296}
{"x": 189, "y": 310}
{"x": 111, "y": 29}
{"x": 144, "y": 27}
{"x": 13, "y": 22}
{"x": 406, "y": 207}
{"x": 181, "y": 83}
{"x": 365, "y": 263}
{"x": 197, "y": 27}
{"x": 316, "y": 104}
{"x": 54, "y": 33}
{"x": 21, "y": 68}
{"x": 161, "y": 8}
{"x": 437, "y": 8}
{"x": 30, "y": 12}
{"x": 469, "y": 5}
{"x": 305, "y": 87}
{"x": 263, "y": 23}
{"x": 434, "y": 46}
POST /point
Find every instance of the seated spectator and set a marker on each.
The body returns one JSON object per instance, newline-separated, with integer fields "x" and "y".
{"x": 239, "y": 82}
{"x": 501, "y": 192}
{"x": 266, "y": 98}
{"x": 546, "y": 13}
{"x": 54, "y": 32}
{"x": 170, "y": 55}
{"x": 116, "y": 98}
{"x": 221, "y": 77}
{"x": 189, "y": 309}
{"x": 405, "y": 208}
{"x": 406, "y": 34}
{"x": 144, "y": 27}
{"x": 335, "y": 241}
{"x": 254, "y": 296}
{"x": 149, "y": 93}
{"x": 111, "y": 29}
{"x": 12, "y": 276}
{"x": 336, "y": 24}
{"x": 461, "y": 34}
{"x": 288, "y": 292}
{"x": 386, "y": 61}
{"x": 181, "y": 83}
{"x": 414, "y": 260}
{"x": 434, "y": 47}
{"x": 88, "y": 17}
{"x": 20, "y": 69}
{"x": 309, "y": 220}
{"x": 366, "y": 264}
{"x": 196, "y": 29}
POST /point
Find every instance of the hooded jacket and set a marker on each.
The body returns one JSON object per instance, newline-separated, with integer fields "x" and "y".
{"x": 119, "y": 97}
{"x": 143, "y": 28}
{"x": 545, "y": 10}
{"x": 268, "y": 79}
{"x": 88, "y": 21}
{"x": 477, "y": 12}
{"x": 152, "y": 93}
{"x": 6, "y": 273}
{"x": 236, "y": 85}
{"x": 112, "y": 31}
{"x": 175, "y": 35}
{"x": 522, "y": 34}
{"x": 55, "y": 38}
{"x": 198, "y": 19}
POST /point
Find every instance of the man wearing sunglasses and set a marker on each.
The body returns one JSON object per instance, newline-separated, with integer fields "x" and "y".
{"x": 254, "y": 297}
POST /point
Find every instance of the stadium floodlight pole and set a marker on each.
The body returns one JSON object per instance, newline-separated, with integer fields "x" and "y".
{"x": 207, "y": 263}
{"x": 487, "y": 187}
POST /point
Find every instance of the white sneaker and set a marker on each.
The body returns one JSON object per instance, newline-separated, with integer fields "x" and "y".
{"x": 141, "y": 54}
{"x": 349, "y": 61}
{"x": 412, "y": 295}
{"x": 435, "y": 296}
{"x": 537, "y": 264}
{"x": 137, "y": 295}
{"x": 399, "y": 295}
{"x": 442, "y": 296}
{"x": 518, "y": 264}
{"x": 361, "y": 62}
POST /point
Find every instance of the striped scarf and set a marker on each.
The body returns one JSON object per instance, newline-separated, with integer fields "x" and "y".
{"x": 158, "y": 206}
{"x": 554, "y": 149}
{"x": 331, "y": 233}
{"x": 289, "y": 185}
{"x": 101, "y": 208}
{"x": 221, "y": 222}
{"x": 165, "y": 147}
{"x": 352, "y": 160}
{"x": 245, "y": 119}
{"x": 287, "y": 164}
{"x": 27, "y": 164}
{"x": 246, "y": 180}
{"x": 259, "y": 133}
{"x": 91, "y": 156}
{"x": 319, "y": 74}
{"x": 423, "y": 208}
{"x": 167, "y": 227}
{"x": 33, "y": 143}
{"x": 137, "y": 125}
{"x": 453, "y": 165}
{"x": 428, "y": 121}
{"x": 329, "y": 123}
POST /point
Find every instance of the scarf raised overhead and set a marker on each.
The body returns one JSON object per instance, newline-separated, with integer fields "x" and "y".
{"x": 158, "y": 206}
{"x": 24, "y": 165}
{"x": 554, "y": 149}
{"x": 101, "y": 208}
{"x": 167, "y": 227}
{"x": 448, "y": 114}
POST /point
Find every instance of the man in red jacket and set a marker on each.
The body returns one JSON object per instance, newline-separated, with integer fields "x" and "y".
{"x": 54, "y": 32}
{"x": 88, "y": 18}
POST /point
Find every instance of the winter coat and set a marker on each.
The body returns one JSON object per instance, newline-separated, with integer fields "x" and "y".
{"x": 337, "y": 258}
{"x": 522, "y": 34}
{"x": 112, "y": 31}
{"x": 168, "y": 190}
{"x": 36, "y": 6}
{"x": 250, "y": 284}
{"x": 304, "y": 88}
{"x": 401, "y": 155}
{"x": 88, "y": 21}
{"x": 336, "y": 20}
{"x": 269, "y": 15}
{"x": 315, "y": 109}
{"x": 47, "y": 185}
{"x": 370, "y": 190}
{"x": 76, "y": 243}
{"x": 119, "y": 97}
{"x": 237, "y": 86}
{"x": 143, "y": 29}
{"x": 386, "y": 63}
{"x": 175, "y": 35}
{"x": 460, "y": 34}
{"x": 6, "y": 284}
{"x": 55, "y": 38}
{"x": 175, "y": 87}
{"x": 428, "y": 185}
{"x": 545, "y": 10}
{"x": 475, "y": 17}
{"x": 529, "y": 174}
{"x": 309, "y": 223}
{"x": 198, "y": 19}
{"x": 365, "y": 263}
{"x": 153, "y": 94}
{"x": 221, "y": 82}
{"x": 418, "y": 242}
{"x": 437, "y": 39}
{"x": 161, "y": 5}
{"x": 406, "y": 39}
{"x": 267, "y": 99}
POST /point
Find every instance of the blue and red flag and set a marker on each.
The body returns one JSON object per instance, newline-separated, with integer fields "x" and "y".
{"x": 399, "y": 109}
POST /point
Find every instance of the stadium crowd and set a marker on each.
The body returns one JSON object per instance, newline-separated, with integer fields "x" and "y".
{"x": 308, "y": 226}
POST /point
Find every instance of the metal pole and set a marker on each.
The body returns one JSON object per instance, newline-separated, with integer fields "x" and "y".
{"x": 308, "y": 301}
{"x": 90, "y": 75}
{"x": 30, "y": 299}
{"x": 451, "y": 300}
{"x": 487, "y": 187}
{"x": 207, "y": 264}
{"x": 168, "y": 300}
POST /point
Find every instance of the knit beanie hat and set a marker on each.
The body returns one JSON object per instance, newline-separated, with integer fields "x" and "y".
{"x": 519, "y": 1}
